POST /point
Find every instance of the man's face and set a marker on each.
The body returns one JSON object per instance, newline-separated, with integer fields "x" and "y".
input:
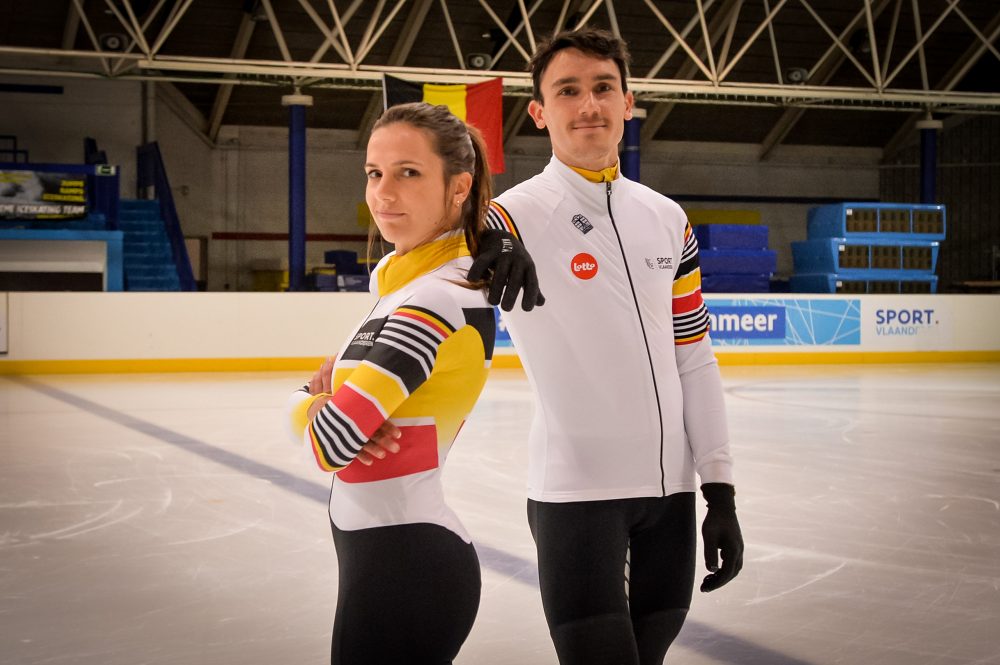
{"x": 583, "y": 108}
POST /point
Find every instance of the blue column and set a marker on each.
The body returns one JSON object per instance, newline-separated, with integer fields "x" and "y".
{"x": 928, "y": 159}
{"x": 630, "y": 152}
{"x": 296, "y": 189}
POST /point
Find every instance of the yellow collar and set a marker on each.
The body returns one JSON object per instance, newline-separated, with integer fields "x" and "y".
{"x": 398, "y": 271}
{"x": 604, "y": 175}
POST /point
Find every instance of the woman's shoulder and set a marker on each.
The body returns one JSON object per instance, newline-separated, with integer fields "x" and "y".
{"x": 444, "y": 291}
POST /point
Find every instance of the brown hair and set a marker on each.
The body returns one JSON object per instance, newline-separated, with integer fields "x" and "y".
{"x": 592, "y": 41}
{"x": 462, "y": 149}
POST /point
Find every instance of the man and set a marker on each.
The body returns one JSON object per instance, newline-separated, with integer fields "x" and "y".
{"x": 629, "y": 400}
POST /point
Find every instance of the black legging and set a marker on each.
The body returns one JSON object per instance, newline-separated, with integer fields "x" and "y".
{"x": 581, "y": 564}
{"x": 408, "y": 594}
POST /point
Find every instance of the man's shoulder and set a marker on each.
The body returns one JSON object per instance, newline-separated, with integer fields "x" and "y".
{"x": 537, "y": 192}
{"x": 656, "y": 202}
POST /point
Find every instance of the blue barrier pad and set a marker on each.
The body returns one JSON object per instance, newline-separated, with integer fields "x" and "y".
{"x": 731, "y": 236}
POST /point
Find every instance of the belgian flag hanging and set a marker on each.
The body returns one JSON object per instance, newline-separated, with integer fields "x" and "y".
{"x": 479, "y": 104}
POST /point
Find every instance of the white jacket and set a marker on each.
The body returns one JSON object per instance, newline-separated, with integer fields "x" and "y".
{"x": 627, "y": 390}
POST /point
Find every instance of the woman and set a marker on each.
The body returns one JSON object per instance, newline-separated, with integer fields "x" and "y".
{"x": 409, "y": 576}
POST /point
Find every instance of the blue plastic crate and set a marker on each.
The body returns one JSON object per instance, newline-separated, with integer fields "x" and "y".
{"x": 913, "y": 221}
{"x": 345, "y": 261}
{"x": 870, "y": 283}
{"x": 735, "y": 283}
{"x": 850, "y": 255}
{"x": 737, "y": 261}
{"x": 731, "y": 236}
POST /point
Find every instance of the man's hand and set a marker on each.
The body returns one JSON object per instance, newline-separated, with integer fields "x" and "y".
{"x": 512, "y": 268}
{"x": 721, "y": 531}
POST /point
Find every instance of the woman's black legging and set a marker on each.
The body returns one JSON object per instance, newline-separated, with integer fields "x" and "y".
{"x": 407, "y": 594}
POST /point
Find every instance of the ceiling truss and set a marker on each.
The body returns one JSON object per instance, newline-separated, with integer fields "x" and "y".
{"x": 704, "y": 53}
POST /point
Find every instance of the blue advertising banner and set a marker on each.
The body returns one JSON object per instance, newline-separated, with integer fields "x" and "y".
{"x": 784, "y": 321}
{"x": 503, "y": 340}
{"x": 42, "y": 195}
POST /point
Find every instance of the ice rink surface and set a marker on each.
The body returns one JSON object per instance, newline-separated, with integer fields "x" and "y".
{"x": 155, "y": 519}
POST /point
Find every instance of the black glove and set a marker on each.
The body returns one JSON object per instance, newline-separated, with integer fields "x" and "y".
{"x": 504, "y": 255}
{"x": 721, "y": 531}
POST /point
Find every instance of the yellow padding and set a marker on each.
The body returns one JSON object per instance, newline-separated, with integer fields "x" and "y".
{"x": 857, "y": 357}
{"x": 504, "y": 361}
{"x": 723, "y": 216}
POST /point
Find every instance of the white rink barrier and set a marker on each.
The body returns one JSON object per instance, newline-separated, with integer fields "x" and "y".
{"x": 162, "y": 332}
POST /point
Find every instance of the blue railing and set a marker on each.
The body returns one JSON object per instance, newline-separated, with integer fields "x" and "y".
{"x": 152, "y": 174}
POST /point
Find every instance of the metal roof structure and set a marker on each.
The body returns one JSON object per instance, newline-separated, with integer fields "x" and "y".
{"x": 816, "y": 72}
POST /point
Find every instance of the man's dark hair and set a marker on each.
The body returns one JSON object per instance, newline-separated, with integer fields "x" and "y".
{"x": 591, "y": 41}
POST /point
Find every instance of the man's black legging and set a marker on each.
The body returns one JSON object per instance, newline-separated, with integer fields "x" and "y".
{"x": 581, "y": 564}
{"x": 407, "y": 594}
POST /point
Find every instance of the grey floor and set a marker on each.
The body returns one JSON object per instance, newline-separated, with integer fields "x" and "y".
{"x": 167, "y": 519}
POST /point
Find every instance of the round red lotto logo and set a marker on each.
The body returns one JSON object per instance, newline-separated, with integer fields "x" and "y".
{"x": 584, "y": 265}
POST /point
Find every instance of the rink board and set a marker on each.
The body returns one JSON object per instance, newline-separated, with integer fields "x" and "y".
{"x": 189, "y": 332}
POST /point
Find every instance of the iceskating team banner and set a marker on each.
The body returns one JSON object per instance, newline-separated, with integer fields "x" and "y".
{"x": 42, "y": 195}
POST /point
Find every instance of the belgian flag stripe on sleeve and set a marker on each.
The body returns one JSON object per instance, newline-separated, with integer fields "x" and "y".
{"x": 401, "y": 358}
{"x": 498, "y": 218}
{"x": 690, "y": 314}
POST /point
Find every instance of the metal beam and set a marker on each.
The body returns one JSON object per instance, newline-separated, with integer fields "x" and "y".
{"x": 919, "y": 46}
{"x": 952, "y": 77}
{"x": 680, "y": 40}
{"x": 182, "y": 107}
{"x": 507, "y": 42}
{"x": 503, "y": 28}
{"x": 670, "y": 50}
{"x": 71, "y": 28}
{"x": 838, "y": 42}
{"x": 93, "y": 37}
{"x": 656, "y": 116}
{"x": 122, "y": 62}
{"x": 451, "y": 33}
{"x": 176, "y": 14}
{"x": 279, "y": 36}
{"x": 515, "y": 119}
{"x": 327, "y": 43}
{"x": 821, "y": 74}
{"x": 414, "y": 21}
{"x": 408, "y": 30}
{"x": 330, "y": 34}
{"x": 225, "y": 92}
{"x": 751, "y": 39}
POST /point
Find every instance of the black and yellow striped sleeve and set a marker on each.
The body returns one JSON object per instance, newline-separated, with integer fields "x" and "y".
{"x": 497, "y": 217}
{"x": 401, "y": 359}
{"x": 689, "y": 311}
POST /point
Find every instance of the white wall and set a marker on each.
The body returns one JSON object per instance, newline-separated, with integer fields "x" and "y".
{"x": 52, "y": 127}
{"x": 241, "y": 183}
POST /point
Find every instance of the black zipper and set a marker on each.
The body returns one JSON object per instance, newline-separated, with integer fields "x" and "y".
{"x": 645, "y": 340}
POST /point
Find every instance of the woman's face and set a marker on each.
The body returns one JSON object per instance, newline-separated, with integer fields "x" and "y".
{"x": 408, "y": 195}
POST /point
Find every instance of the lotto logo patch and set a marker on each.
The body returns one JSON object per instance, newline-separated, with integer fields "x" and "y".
{"x": 584, "y": 266}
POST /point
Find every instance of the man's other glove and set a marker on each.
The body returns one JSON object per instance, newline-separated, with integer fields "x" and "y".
{"x": 512, "y": 268}
{"x": 721, "y": 531}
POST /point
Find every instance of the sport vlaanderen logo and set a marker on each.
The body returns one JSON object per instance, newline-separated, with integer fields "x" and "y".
{"x": 583, "y": 266}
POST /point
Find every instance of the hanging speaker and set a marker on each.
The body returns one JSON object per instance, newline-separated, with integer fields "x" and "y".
{"x": 113, "y": 41}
